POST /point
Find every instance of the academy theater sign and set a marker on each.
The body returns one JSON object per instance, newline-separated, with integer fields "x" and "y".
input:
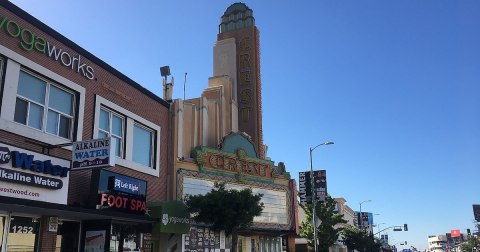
{"x": 238, "y": 163}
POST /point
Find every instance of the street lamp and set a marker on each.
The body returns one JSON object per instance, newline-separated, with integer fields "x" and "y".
{"x": 313, "y": 195}
{"x": 378, "y": 226}
{"x": 361, "y": 215}
{"x": 373, "y": 224}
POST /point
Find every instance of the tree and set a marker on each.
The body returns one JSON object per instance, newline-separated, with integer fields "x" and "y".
{"x": 355, "y": 238}
{"x": 327, "y": 233}
{"x": 471, "y": 243}
{"x": 306, "y": 227}
{"x": 371, "y": 243}
{"x": 228, "y": 210}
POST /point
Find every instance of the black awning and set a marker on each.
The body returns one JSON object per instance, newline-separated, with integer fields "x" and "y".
{"x": 68, "y": 212}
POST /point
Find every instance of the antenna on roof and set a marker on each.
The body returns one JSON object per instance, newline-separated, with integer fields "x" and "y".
{"x": 184, "y": 85}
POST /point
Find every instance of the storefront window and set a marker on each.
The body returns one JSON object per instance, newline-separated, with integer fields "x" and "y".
{"x": 2, "y": 226}
{"x": 124, "y": 238}
{"x": 263, "y": 245}
{"x": 270, "y": 244}
{"x": 240, "y": 245}
{"x": 228, "y": 241}
{"x": 23, "y": 234}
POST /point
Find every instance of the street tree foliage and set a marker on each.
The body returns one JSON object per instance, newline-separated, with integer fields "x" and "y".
{"x": 353, "y": 238}
{"x": 356, "y": 239}
{"x": 229, "y": 210}
{"x": 472, "y": 242}
{"x": 327, "y": 233}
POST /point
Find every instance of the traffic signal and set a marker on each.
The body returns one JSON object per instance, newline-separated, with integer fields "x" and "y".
{"x": 468, "y": 231}
{"x": 405, "y": 242}
{"x": 405, "y": 227}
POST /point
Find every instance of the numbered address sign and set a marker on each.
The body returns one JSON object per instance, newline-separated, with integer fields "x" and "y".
{"x": 23, "y": 225}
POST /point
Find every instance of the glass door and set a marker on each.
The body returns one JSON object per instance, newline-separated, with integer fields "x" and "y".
{"x": 67, "y": 236}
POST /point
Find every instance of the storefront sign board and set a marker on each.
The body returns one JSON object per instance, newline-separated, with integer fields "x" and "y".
{"x": 132, "y": 200}
{"x": 30, "y": 175}
{"x": 173, "y": 215}
{"x": 95, "y": 153}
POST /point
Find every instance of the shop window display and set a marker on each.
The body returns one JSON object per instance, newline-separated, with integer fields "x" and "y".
{"x": 124, "y": 238}
{"x": 23, "y": 234}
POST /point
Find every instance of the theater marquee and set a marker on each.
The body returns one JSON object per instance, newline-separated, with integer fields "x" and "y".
{"x": 238, "y": 163}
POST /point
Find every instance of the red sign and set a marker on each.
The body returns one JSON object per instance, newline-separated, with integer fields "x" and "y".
{"x": 123, "y": 202}
{"x": 112, "y": 193}
{"x": 455, "y": 232}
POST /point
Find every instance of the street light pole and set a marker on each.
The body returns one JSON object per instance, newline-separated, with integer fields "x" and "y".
{"x": 361, "y": 214}
{"x": 314, "y": 215}
{"x": 378, "y": 226}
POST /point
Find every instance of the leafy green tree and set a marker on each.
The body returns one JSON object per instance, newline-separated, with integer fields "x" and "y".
{"x": 327, "y": 233}
{"x": 353, "y": 238}
{"x": 229, "y": 210}
{"x": 371, "y": 243}
{"x": 356, "y": 239}
{"x": 471, "y": 243}
{"x": 306, "y": 227}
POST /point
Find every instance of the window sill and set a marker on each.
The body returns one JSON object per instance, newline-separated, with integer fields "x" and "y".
{"x": 32, "y": 133}
{"x": 137, "y": 167}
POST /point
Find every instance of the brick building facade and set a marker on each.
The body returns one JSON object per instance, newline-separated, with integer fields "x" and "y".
{"x": 55, "y": 93}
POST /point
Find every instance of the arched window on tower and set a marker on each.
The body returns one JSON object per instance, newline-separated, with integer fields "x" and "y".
{"x": 239, "y": 24}
{"x": 231, "y": 26}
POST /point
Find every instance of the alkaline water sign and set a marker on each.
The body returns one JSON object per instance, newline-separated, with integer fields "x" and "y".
{"x": 29, "y": 175}
{"x": 94, "y": 153}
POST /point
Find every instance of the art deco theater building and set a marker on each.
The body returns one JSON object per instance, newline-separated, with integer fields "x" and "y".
{"x": 218, "y": 137}
{"x": 54, "y": 93}
{"x": 92, "y": 161}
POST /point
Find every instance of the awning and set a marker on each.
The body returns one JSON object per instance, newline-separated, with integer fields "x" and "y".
{"x": 68, "y": 212}
{"x": 173, "y": 215}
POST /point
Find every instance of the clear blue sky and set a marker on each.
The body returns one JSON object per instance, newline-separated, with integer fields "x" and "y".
{"x": 395, "y": 84}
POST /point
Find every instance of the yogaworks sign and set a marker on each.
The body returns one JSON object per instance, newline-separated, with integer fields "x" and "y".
{"x": 29, "y": 41}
